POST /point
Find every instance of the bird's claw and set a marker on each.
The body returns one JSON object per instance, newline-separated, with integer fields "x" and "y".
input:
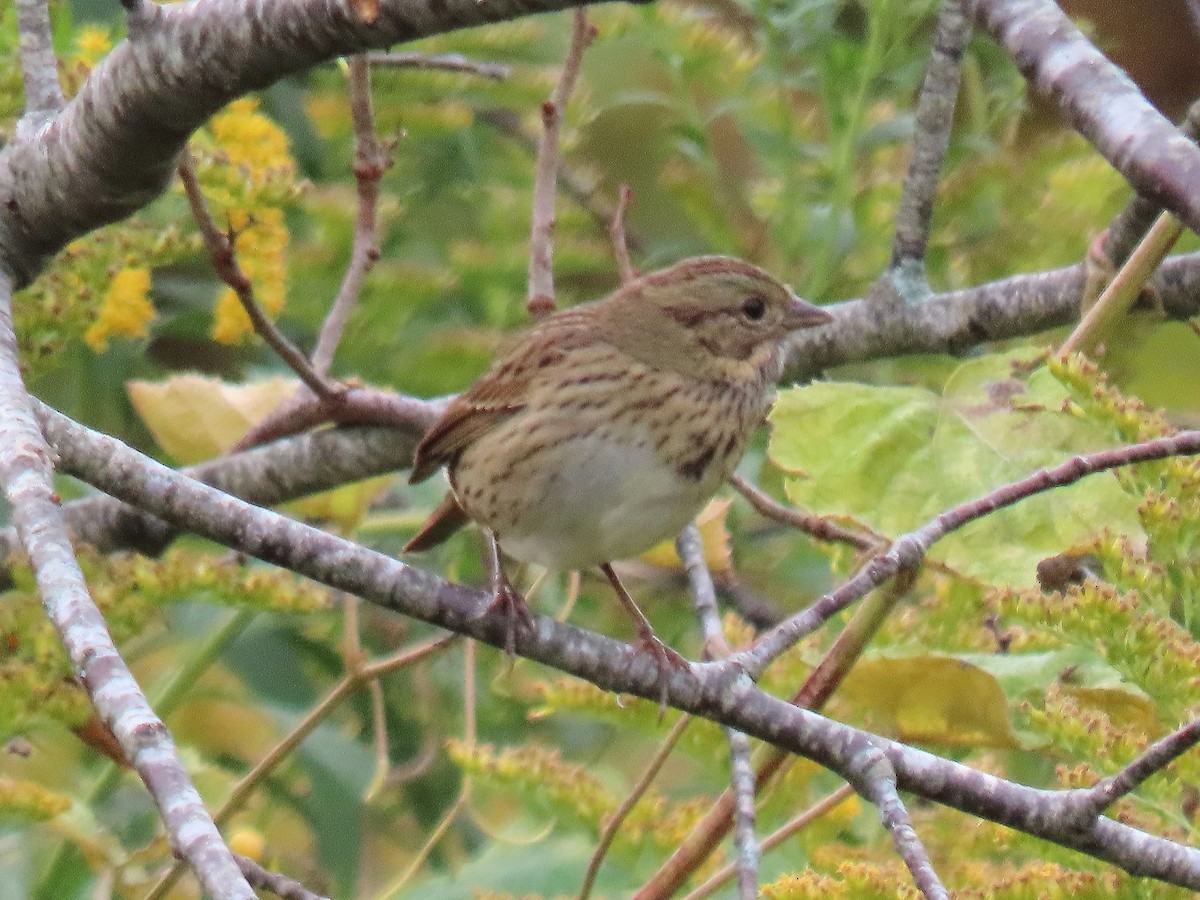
{"x": 667, "y": 660}
{"x": 509, "y": 603}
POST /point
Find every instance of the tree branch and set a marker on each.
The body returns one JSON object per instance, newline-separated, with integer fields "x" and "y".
{"x": 690, "y": 548}
{"x": 613, "y": 825}
{"x": 1099, "y": 101}
{"x": 877, "y": 782}
{"x": 1123, "y": 291}
{"x": 935, "y": 118}
{"x": 371, "y": 160}
{"x": 957, "y": 321}
{"x": 221, "y": 252}
{"x": 1132, "y": 223}
{"x": 265, "y": 476}
{"x": 279, "y": 885}
{"x": 1156, "y": 758}
{"x": 909, "y": 550}
{"x": 114, "y": 147}
{"x": 717, "y": 691}
{"x": 819, "y": 527}
{"x": 540, "y": 301}
{"x": 28, "y": 481}
{"x": 586, "y": 196}
{"x": 39, "y": 69}
{"x": 777, "y": 837}
{"x": 446, "y": 62}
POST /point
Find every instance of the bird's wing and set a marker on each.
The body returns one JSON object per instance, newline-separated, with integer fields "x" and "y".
{"x": 526, "y": 365}
{"x": 467, "y": 418}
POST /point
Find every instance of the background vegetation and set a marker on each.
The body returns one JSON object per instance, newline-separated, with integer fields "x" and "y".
{"x": 775, "y": 131}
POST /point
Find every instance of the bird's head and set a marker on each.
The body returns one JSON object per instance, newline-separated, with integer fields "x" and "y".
{"x": 709, "y": 316}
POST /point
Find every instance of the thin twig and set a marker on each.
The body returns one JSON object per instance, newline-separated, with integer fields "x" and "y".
{"x": 616, "y": 231}
{"x": 573, "y": 584}
{"x": 690, "y": 548}
{"x": 907, "y": 551}
{"x": 224, "y": 259}
{"x": 354, "y": 659}
{"x": 541, "y": 300}
{"x": 371, "y": 160}
{"x": 878, "y": 784}
{"x": 279, "y": 885}
{"x": 931, "y": 138}
{"x": 818, "y": 687}
{"x": 443, "y": 62}
{"x": 464, "y": 792}
{"x": 820, "y": 527}
{"x": 246, "y": 785}
{"x": 1157, "y": 757}
{"x": 775, "y": 838}
{"x": 613, "y": 825}
{"x": 380, "y": 739}
{"x": 357, "y": 406}
{"x": 507, "y": 123}
{"x": 1123, "y": 291}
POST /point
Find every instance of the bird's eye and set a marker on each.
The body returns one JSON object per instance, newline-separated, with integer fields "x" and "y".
{"x": 754, "y": 308}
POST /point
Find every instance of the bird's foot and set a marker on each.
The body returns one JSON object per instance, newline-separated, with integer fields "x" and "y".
{"x": 509, "y": 603}
{"x": 666, "y": 659}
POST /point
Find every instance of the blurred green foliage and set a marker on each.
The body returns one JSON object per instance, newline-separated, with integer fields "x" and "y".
{"x": 777, "y": 131}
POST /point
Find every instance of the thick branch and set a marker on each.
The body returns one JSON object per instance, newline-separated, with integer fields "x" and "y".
{"x": 265, "y": 476}
{"x": 1100, "y": 101}
{"x": 957, "y": 321}
{"x": 1132, "y": 223}
{"x": 114, "y": 147}
{"x": 716, "y": 691}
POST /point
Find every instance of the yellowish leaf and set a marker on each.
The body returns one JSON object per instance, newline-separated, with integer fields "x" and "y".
{"x": 934, "y": 698}
{"x": 195, "y": 418}
{"x": 345, "y": 505}
{"x": 714, "y": 533}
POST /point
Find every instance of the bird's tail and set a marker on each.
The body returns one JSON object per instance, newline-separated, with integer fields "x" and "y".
{"x": 446, "y": 519}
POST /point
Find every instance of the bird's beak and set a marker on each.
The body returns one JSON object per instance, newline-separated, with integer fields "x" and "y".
{"x": 802, "y": 314}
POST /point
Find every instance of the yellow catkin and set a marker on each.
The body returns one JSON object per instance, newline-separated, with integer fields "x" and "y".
{"x": 250, "y": 139}
{"x": 126, "y": 310}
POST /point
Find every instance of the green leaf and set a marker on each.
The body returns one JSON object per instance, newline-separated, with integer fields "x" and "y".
{"x": 895, "y": 457}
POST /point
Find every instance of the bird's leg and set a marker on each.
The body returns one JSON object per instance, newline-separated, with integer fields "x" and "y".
{"x": 664, "y": 656}
{"x": 505, "y": 598}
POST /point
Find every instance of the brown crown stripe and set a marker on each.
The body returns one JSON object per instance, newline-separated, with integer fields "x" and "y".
{"x": 697, "y": 268}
